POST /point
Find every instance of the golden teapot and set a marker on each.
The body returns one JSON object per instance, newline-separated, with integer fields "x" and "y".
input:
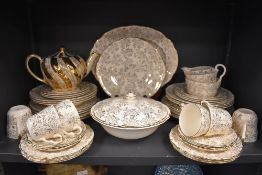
{"x": 62, "y": 71}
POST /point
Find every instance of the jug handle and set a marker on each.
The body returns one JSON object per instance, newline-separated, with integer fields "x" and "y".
{"x": 29, "y": 69}
{"x": 90, "y": 61}
{"x": 224, "y": 71}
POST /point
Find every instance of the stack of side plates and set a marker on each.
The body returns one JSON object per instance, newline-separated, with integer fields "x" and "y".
{"x": 69, "y": 148}
{"x": 83, "y": 98}
{"x": 207, "y": 149}
{"x": 176, "y": 96}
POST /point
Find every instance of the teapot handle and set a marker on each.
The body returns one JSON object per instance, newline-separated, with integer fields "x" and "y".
{"x": 30, "y": 71}
{"x": 90, "y": 61}
{"x": 224, "y": 71}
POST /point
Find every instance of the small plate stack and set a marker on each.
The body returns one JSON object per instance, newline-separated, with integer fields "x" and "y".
{"x": 83, "y": 97}
{"x": 176, "y": 96}
{"x": 216, "y": 149}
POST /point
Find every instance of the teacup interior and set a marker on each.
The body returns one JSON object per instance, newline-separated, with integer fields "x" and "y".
{"x": 246, "y": 111}
{"x": 190, "y": 120}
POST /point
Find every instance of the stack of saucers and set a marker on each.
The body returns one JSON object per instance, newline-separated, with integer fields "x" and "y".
{"x": 56, "y": 134}
{"x": 205, "y": 134}
{"x": 176, "y": 96}
{"x": 83, "y": 97}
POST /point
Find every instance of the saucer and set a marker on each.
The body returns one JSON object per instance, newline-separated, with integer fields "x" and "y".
{"x": 29, "y": 152}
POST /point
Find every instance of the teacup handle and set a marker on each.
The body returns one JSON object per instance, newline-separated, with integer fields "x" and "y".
{"x": 224, "y": 71}
{"x": 29, "y": 69}
{"x": 57, "y": 136}
{"x": 244, "y": 129}
{"x": 90, "y": 61}
{"x": 205, "y": 102}
{"x": 72, "y": 133}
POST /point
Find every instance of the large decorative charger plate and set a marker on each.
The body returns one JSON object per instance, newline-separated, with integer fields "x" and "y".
{"x": 165, "y": 47}
{"x": 204, "y": 156}
{"x": 215, "y": 143}
{"x": 130, "y": 65}
{"x": 34, "y": 155}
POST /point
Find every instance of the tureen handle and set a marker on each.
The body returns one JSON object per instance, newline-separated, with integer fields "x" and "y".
{"x": 30, "y": 71}
{"x": 89, "y": 63}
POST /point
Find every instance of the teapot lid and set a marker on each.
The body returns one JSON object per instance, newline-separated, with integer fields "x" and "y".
{"x": 130, "y": 111}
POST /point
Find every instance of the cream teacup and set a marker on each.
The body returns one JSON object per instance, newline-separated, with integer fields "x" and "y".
{"x": 16, "y": 121}
{"x": 245, "y": 124}
{"x": 221, "y": 120}
{"x": 194, "y": 120}
{"x": 69, "y": 117}
{"x": 202, "y": 89}
{"x": 44, "y": 124}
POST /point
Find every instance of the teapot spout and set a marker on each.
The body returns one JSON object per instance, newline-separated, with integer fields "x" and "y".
{"x": 93, "y": 58}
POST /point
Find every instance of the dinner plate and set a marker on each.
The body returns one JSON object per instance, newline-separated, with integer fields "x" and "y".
{"x": 165, "y": 47}
{"x": 204, "y": 156}
{"x": 130, "y": 65}
{"x": 30, "y": 153}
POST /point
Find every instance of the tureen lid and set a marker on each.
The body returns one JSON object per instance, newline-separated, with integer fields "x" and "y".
{"x": 130, "y": 111}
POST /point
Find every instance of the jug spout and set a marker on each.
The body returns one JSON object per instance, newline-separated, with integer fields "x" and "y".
{"x": 186, "y": 70}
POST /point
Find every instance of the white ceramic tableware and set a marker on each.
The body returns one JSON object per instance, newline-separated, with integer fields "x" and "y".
{"x": 45, "y": 124}
{"x": 130, "y": 65}
{"x": 69, "y": 116}
{"x": 201, "y": 89}
{"x": 165, "y": 47}
{"x": 245, "y": 124}
{"x": 130, "y": 117}
{"x": 204, "y": 74}
{"x": 198, "y": 154}
{"x": 194, "y": 120}
{"x": 221, "y": 120}
{"x": 16, "y": 121}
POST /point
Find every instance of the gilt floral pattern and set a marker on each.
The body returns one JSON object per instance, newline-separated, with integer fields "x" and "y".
{"x": 153, "y": 36}
{"x": 130, "y": 65}
{"x": 122, "y": 112}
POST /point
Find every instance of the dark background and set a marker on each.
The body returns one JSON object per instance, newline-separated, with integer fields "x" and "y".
{"x": 204, "y": 33}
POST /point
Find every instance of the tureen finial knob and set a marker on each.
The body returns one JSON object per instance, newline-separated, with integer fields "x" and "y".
{"x": 130, "y": 96}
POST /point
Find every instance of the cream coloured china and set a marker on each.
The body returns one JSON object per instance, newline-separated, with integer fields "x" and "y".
{"x": 224, "y": 98}
{"x": 83, "y": 89}
{"x": 83, "y": 97}
{"x": 62, "y": 71}
{"x": 204, "y": 74}
{"x": 203, "y": 90}
{"x": 194, "y": 120}
{"x": 32, "y": 154}
{"x": 16, "y": 121}
{"x": 220, "y": 119}
{"x": 68, "y": 114}
{"x": 130, "y": 65}
{"x": 130, "y": 117}
{"x": 44, "y": 124}
{"x": 130, "y": 111}
{"x": 66, "y": 143}
{"x": 245, "y": 124}
{"x": 49, "y": 124}
{"x": 220, "y": 142}
{"x": 198, "y": 154}
{"x": 164, "y": 46}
